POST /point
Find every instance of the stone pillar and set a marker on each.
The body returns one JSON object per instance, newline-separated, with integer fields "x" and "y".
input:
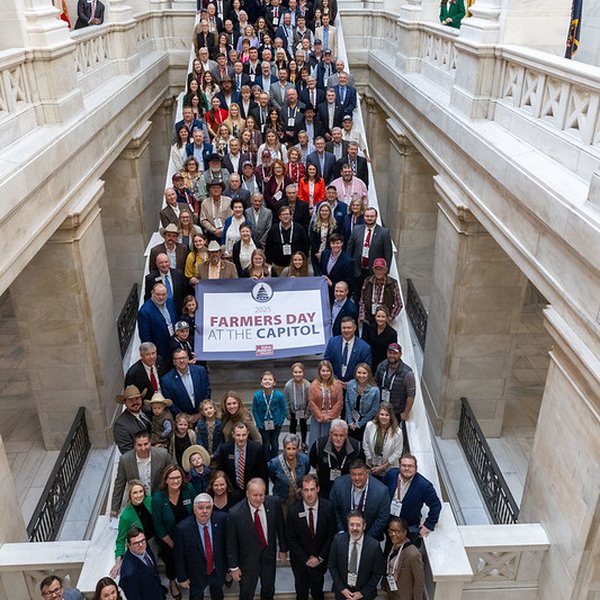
{"x": 562, "y": 489}
{"x": 123, "y": 39}
{"x": 412, "y": 209}
{"x": 63, "y": 304}
{"x": 12, "y": 525}
{"x": 476, "y": 299}
{"x": 12, "y": 25}
{"x": 127, "y": 185}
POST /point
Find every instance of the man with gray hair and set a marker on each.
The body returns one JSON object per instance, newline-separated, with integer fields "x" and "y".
{"x": 145, "y": 374}
{"x": 332, "y": 455}
{"x": 199, "y": 551}
{"x": 261, "y": 219}
{"x": 300, "y": 210}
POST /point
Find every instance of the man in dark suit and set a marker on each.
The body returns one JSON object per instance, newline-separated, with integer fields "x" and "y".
{"x": 359, "y": 165}
{"x": 323, "y": 160}
{"x": 151, "y": 461}
{"x": 156, "y": 319}
{"x": 242, "y": 460}
{"x": 170, "y": 213}
{"x": 337, "y": 146}
{"x": 360, "y": 491}
{"x": 335, "y": 264}
{"x": 368, "y": 242}
{"x": 200, "y": 149}
{"x": 235, "y": 191}
{"x": 261, "y": 112}
{"x": 284, "y": 239}
{"x": 139, "y": 578}
{"x": 146, "y": 373}
{"x": 346, "y": 351}
{"x": 254, "y": 528}
{"x": 132, "y": 420}
{"x": 342, "y": 307}
{"x": 356, "y": 562}
{"x": 310, "y": 527}
{"x": 409, "y": 491}
{"x": 173, "y": 280}
{"x": 89, "y": 12}
{"x": 330, "y": 113}
{"x": 291, "y": 117}
{"x": 199, "y": 553}
{"x": 239, "y": 77}
{"x": 234, "y": 159}
{"x": 300, "y": 210}
{"x": 345, "y": 94}
{"x": 187, "y": 385}
{"x": 312, "y": 96}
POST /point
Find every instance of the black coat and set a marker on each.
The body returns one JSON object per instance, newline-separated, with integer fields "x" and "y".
{"x": 138, "y": 581}
{"x": 255, "y": 464}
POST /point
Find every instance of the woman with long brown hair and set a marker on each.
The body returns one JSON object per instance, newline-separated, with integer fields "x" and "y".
{"x": 326, "y": 401}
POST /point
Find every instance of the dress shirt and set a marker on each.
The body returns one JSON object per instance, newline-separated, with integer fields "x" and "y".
{"x": 144, "y": 467}
{"x": 210, "y": 534}
{"x": 315, "y": 514}
{"x": 337, "y": 307}
{"x": 186, "y": 379}
{"x": 262, "y": 515}
{"x": 359, "y": 545}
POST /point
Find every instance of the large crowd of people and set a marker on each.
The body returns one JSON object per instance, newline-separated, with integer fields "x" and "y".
{"x": 270, "y": 180}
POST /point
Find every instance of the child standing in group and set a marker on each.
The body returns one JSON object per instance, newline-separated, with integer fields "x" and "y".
{"x": 183, "y": 437}
{"x": 296, "y": 399}
{"x": 195, "y": 461}
{"x": 208, "y": 429}
{"x": 268, "y": 410}
{"x": 162, "y": 420}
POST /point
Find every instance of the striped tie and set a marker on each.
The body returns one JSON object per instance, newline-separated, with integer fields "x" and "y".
{"x": 240, "y": 471}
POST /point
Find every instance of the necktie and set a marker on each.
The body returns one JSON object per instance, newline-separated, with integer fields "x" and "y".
{"x": 93, "y": 9}
{"x": 153, "y": 380}
{"x": 343, "y": 94}
{"x": 148, "y": 561}
{"x": 345, "y": 354}
{"x": 259, "y": 530}
{"x": 240, "y": 471}
{"x": 168, "y": 286}
{"x": 353, "y": 564}
{"x": 353, "y": 164}
{"x": 364, "y": 260}
{"x": 313, "y": 98}
{"x": 210, "y": 562}
{"x": 311, "y": 522}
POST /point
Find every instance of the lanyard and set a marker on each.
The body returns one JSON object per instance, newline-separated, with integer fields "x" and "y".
{"x": 376, "y": 300}
{"x": 291, "y": 233}
{"x": 363, "y": 499}
{"x": 393, "y": 560}
{"x": 329, "y": 461}
{"x": 268, "y": 404}
{"x": 295, "y": 401}
{"x": 328, "y": 393}
{"x": 391, "y": 383}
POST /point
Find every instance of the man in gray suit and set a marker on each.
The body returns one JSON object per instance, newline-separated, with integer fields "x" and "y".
{"x": 261, "y": 219}
{"x": 368, "y": 242}
{"x": 144, "y": 463}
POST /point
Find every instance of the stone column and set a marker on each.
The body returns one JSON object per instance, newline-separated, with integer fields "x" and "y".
{"x": 127, "y": 186}
{"x": 63, "y": 304}
{"x": 12, "y": 525}
{"x": 476, "y": 299}
{"x": 123, "y": 39}
{"x": 12, "y": 25}
{"x": 562, "y": 489}
{"x": 412, "y": 209}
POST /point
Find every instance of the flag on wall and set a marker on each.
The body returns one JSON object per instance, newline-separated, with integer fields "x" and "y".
{"x": 574, "y": 28}
{"x": 469, "y": 4}
{"x": 64, "y": 13}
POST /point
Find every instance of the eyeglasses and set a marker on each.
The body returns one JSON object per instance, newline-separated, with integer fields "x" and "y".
{"x": 138, "y": 543}
{"x": 52, "y": 593}
{"x": 174, "y": 478}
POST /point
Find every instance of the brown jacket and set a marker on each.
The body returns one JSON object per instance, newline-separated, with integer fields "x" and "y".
{"x": 409, "y": 576}
{"x": 229, "y": 424}
{"x": 228, "y": 270}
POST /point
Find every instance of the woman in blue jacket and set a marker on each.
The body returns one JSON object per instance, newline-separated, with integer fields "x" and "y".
{"x": 362, "y": 400}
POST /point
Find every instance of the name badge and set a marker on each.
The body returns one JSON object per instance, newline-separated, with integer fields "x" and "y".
{"x": 275, "y": 20}
{"x": 299, "y": 414}
{"x": 287, "y": 249}
{"x": 269, "y": 425}
{"x": 385, "y": 395}
{"x": 365, "y": 252}
{"x": 171, "y": 330}
{"x": 218, "y": 223}
{"x": 187, "y": 501}
{"x": 391, "y": 583}
{"x": 252, "y": 77}
{"x": 344, "y": 368}
{"x": 352, "y": 577}
{"x": 334, "y": 474}
{"x": 302, "y": 515}
{"x": 395, "y": 507}
{"x": 291, "y": 122}
{"x": 231, "y": 456}
{"x": 374, "y": 309}
{"x": 277, "y": 196}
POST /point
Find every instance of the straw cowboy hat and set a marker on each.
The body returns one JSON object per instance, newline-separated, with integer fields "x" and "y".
{"x": 158, "y": 398}
{"x": 195, "y": 449}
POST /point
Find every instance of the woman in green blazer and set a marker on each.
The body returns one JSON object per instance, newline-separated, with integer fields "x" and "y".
{"x": 452, "y": 12}
{"x": 171, "y": 504}
{"x": 138, "y": 513}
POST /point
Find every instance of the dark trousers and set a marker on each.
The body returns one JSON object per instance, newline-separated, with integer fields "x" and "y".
{"x": 308, "y": 580}
{"x": 265, "y": 571}
{"x": 215, "y": 586}
{"x": 270, "y": 440}
{"x": 294, "y": 426}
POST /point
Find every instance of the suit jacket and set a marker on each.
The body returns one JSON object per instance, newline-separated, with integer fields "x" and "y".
{"x": 240, "y": 194}
{"x": 409, "y": 575}
{"x": 152, "y": 326}
{"x": 286, "y": 115}
{"x": 370, "y": 568}
{"x": 278, "y": 94}
{"x": 379, "y": 247}
{"x": 255, "y": 464}
{"x": 228, "y": 164}
{"x": 361, "y": 352}
{"x": 84, "y": 13}
{"x": 260, "y": 81}
{"x": 305, "y": 98}
{"x": 178, "y": 282}
{"x": 139, "y": 581}
{"x": 128, "y": 470}
{"x": 350, "y": 99}
{"x": 243, "y": 545}
{"x": 376, "y": 509}
{"x": 301, "y": 212}
{"x": 244, "y": 80}
{"x": 189, "y": 555}
{"x": 332, "y": 38}
{"x": 348, "y": 310}
{"x": 362, "y": 169}
{"x": 329, "y": 148}
{"x": 260, "y": 228}
{"x": 167, "y": 215}
{"x": 207, "y": 150}
{"x": 227, "y": 271}
{"x": 173, "y": 388}
{"x": 343, "y": 269}
{"x": 181, "y": 254}
{"x": 300, "y": 543}
{"x": 323, "y": 115}
{"x": 136, "y": 374}
{"x": 328, "y": 164}
{"x": 125, "y": 427}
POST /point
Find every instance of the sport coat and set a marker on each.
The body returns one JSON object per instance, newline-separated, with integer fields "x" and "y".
{"x": 128, "y": 470}
{"x": 380, "y": 246}
{"x": 228, "y": 164}
{"x": 287, "y": 115}
{"x": 260, "y": 81}
{"x": 255, "y": 464}
{"x": 305, "y": 98}
{"x": 227, "y": 270}
{"x": 84, "y": 13}
{"x": 260, "y": 227}
{"x": 342, "y": 270}
{"x": 376, "y": 508}
{"x": 152, "y": 326}
{"x": 350, "y": 98}
{"x": 139, "y": 581}
{"x": 362, "y": 169}
{"x": 179, "y": 285}
{"x": 361, "y": 353}
{"x": 136, "y": 374}
{"x": 301, "y": 212}
{"x": 181, "y": 254}
{"x": 207, "y": 150}
{"x": 348, "y": 310}
{"x": 125, "y": 428}
{"x": 323, "y": 115}
{"x": 328, "y": 164}
{"x": 329, "y": 148}
{"x": 277, "y": 94}
{"x": 370, "y": 568}
{"x": 300, "y": 543}
{"x": 167, "y": 216}
{"x": 409, "y": 575}
{"x": 331, "y": 39}
{"x": 189, "y": 555}
{"x": 173, "y": 388}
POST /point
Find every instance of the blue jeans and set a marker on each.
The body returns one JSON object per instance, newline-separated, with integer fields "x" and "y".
{"x": 270, "y": 440}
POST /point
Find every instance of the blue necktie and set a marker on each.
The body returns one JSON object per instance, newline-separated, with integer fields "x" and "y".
{"x": 345, "y": 354}
{"x": 168, "y": 286}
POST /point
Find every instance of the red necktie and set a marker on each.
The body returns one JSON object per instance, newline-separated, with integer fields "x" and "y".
{"x": 311, "y": 522}
{"x": 364, "y": 261}
{"x": 240, "y": 471}
{"x": 210, "y": 562}
{"x": 259, "y": 530}
{"x": 153, "y": 379}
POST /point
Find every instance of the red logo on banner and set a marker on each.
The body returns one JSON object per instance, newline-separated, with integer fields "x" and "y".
{"x": 264, "y": 350}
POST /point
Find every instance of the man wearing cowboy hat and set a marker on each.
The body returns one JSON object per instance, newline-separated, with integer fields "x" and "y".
{"x": 215, "y": 209}
{"x": 132, "y": 420}
{"x": 176, "y": 252}
{"x": 215, "y": 171}
{"x": 143, "y": 462}
{"x": 156, "y": 319}
{"x": 215, "y": 267}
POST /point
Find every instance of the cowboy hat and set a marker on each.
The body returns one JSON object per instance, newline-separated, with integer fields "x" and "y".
{"x": 158, "y": 398}
{"x": 129, "y": 392}
{"x": 195, "y": 449}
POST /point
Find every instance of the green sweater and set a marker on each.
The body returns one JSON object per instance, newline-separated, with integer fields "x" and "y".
{"x": 127, "y": 520}
{"x": 162, "y": 515}
{"x": 456, "y": 12}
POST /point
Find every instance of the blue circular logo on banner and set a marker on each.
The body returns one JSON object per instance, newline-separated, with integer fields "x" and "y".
{"x": 262, "y": 292}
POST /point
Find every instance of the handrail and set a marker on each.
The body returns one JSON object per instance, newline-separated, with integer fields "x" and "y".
{"x": 52, "y": 506}
{"x": 492, "y": 485}
{"x": 416, "y": 313}
{"x": 127, "y": 319}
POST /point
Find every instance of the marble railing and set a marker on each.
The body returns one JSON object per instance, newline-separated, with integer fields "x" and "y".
{"x": 93, "y": 49}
